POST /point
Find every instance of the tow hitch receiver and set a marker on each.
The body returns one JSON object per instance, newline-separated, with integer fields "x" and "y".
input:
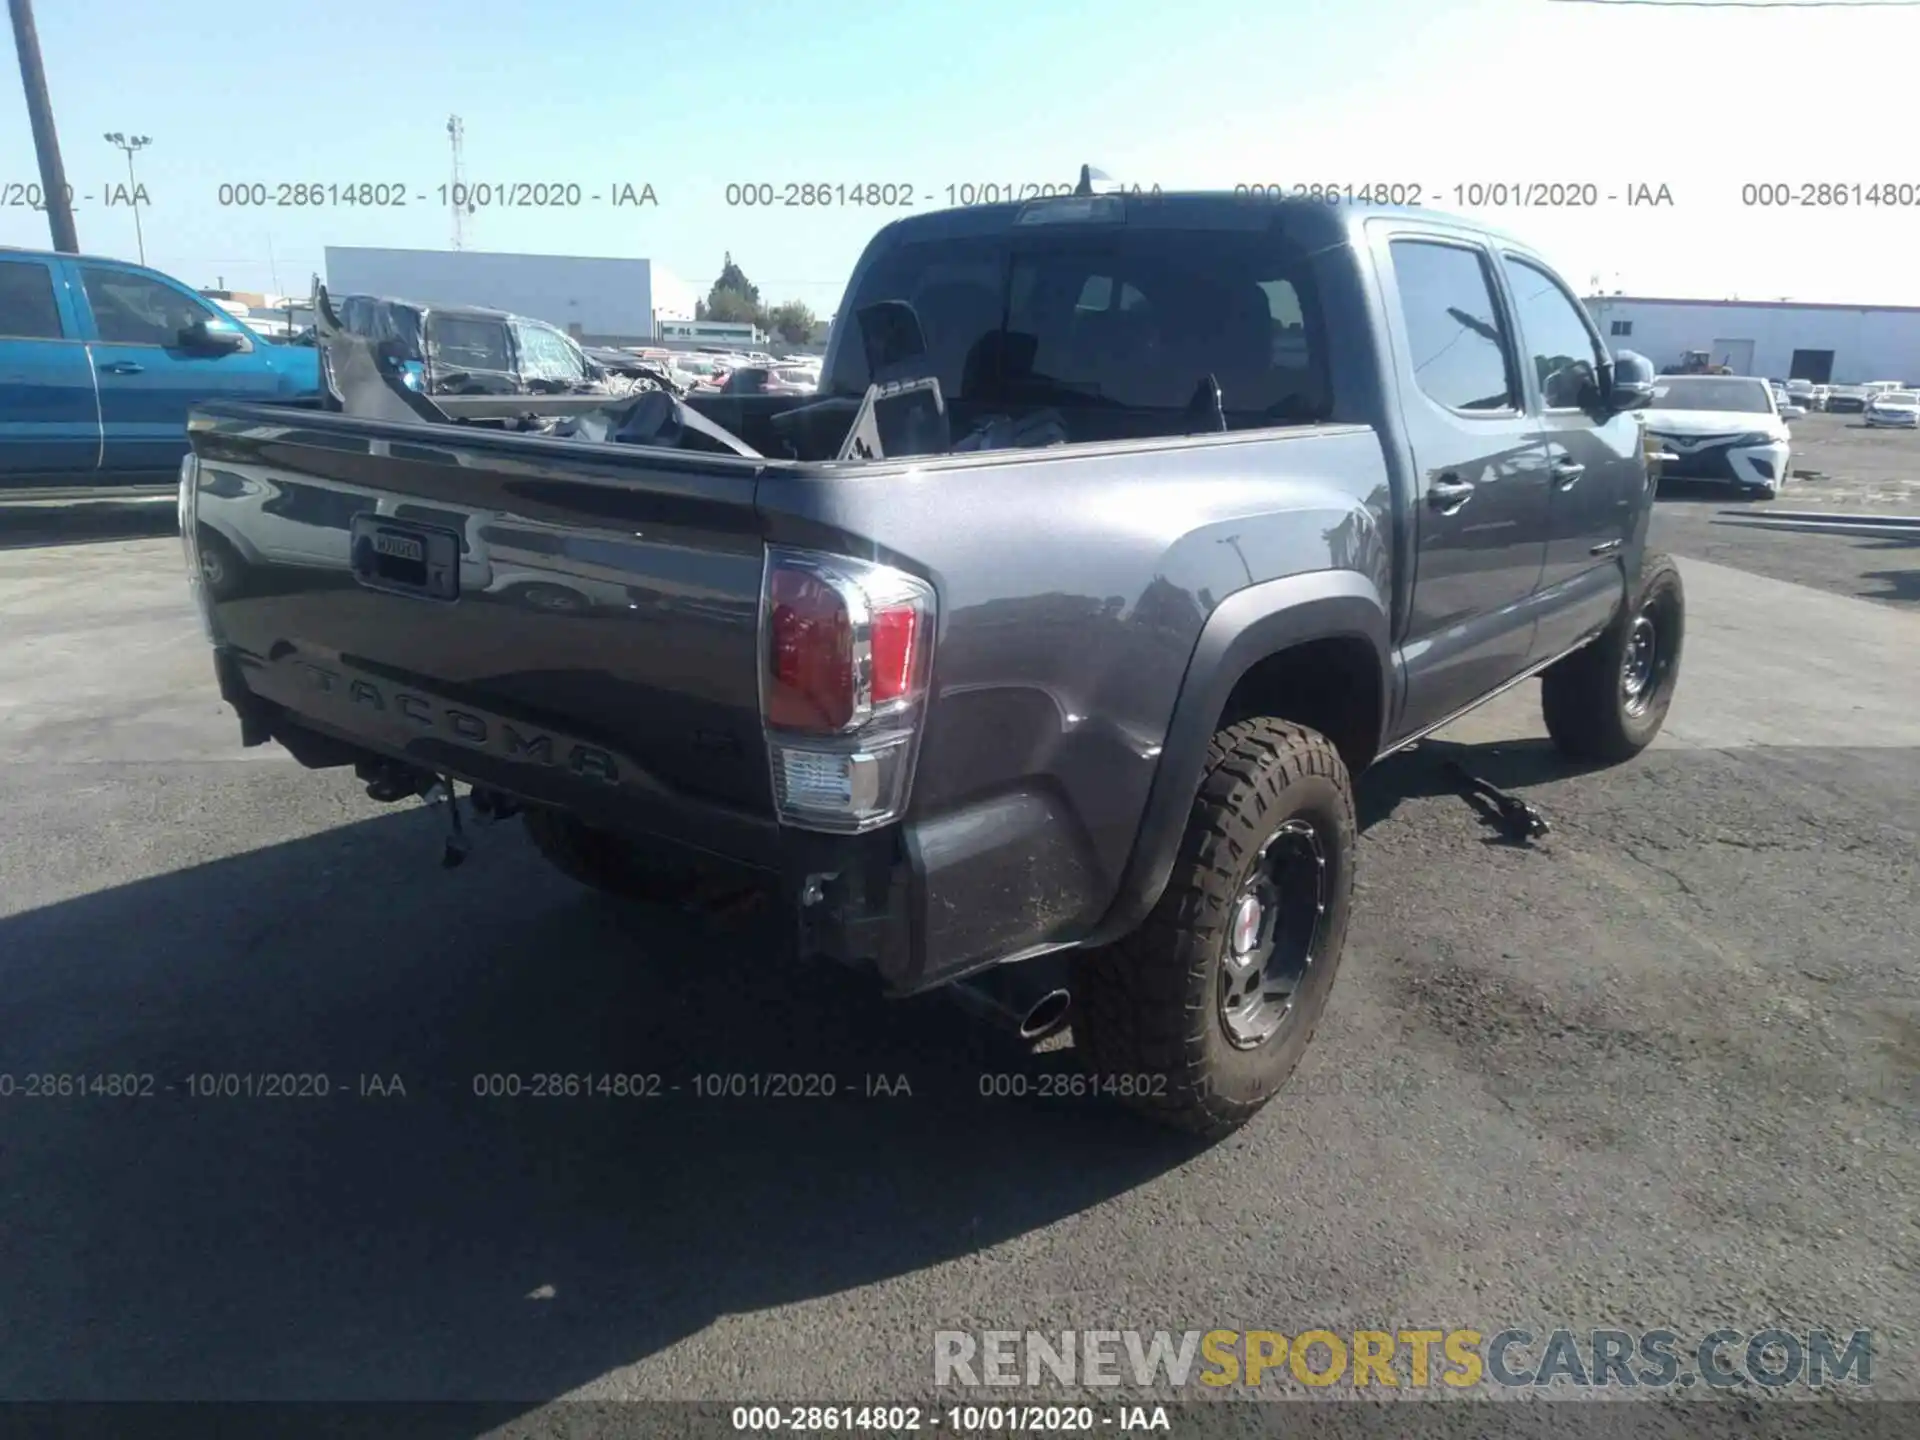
{"x": 390, "y": 781}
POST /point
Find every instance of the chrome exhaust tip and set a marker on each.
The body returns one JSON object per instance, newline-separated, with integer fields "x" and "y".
{"x": 1028, "y": 999}
{"x": 1048, "y": 1016}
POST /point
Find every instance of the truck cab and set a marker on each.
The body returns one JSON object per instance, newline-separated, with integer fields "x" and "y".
{"x": 100, "y": 362}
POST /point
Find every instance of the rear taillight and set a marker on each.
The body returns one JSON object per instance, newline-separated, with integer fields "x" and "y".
{"x": 847, "y": 654}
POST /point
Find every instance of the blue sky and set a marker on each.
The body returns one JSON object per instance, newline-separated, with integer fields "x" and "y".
{"x": 692, "y": 95}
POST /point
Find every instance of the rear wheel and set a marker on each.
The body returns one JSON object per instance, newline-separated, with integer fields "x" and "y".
{"x": 1199, "y": 1016}
{"x": 1607, "y": 701}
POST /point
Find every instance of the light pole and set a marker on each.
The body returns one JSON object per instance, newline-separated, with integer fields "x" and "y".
{"x": 131, "y": 143}
{"x": 54, "y": 189}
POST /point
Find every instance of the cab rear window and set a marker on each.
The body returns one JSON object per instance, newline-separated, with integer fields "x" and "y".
{"x": 1115, "y": 329}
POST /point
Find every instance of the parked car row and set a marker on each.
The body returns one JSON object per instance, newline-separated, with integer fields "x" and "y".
{"x": 1897, "y": 409}
{"x": 751, "y": 374}
{"x": 1879, "y": 402}
{"x": 1839, "y": 399}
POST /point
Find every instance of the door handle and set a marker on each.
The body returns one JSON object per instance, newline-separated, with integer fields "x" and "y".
{"x": 122, "y": 367}
{"x": 1568, "y": 473}
{"x": 1449, "y": 493}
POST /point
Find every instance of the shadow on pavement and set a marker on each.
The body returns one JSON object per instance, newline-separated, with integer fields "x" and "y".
{"x": 438, "y": 1244}
{"x": 1421, "y": 773}
{"x": 42, "y": 523}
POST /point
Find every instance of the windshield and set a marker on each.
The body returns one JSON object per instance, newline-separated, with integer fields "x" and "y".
{"x": 1747, "y": 397}
{"x": 1901, "y": 397}
{"x": 460, "y": 343}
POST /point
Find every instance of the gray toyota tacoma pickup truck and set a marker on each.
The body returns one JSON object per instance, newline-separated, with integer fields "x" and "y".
{"x": 1035, "y": 655}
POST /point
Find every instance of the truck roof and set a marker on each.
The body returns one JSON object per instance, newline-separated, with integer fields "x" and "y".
{"x": 424, "y": 306}
{"x": 1309, "y": 221}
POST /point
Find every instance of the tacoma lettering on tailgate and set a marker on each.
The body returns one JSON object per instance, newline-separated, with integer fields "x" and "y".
{"x": 466, "y": 725}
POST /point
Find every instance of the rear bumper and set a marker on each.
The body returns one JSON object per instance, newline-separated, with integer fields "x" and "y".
{"x": 918, "y": 904}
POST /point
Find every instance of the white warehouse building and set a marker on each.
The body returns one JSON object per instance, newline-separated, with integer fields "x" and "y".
{"x": 1778, "y": 339}
{"x": 599, "y": 300}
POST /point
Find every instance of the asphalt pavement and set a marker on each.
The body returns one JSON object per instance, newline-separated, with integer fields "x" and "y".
{"x": 1657, "y": 1070}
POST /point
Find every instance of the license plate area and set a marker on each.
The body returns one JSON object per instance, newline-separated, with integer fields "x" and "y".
{"x": 406, "y": 559}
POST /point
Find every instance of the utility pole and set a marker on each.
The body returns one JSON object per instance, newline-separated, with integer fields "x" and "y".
{"x": 46, "y": 140}
{"x": 131, "y": 143}
{"x": 458, "y": 200}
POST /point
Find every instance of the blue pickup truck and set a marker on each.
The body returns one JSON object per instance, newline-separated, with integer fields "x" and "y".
{"x": 100, "y": 361}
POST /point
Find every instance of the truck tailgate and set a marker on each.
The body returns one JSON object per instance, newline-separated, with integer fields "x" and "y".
{"x": 588, "y": 640}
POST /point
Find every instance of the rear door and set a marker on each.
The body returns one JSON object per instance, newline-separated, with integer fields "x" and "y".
{"x": 1595, "y": 461}
{"x": 148, "y": 375}
{"x": 1481, "y": 505}
{"x": 49, "y": 414}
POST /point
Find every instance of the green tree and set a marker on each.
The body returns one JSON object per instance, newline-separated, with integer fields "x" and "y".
{"x": 733, "y": 281}
{"x": 731, "y": 305}
{"x": 792, "y": 321}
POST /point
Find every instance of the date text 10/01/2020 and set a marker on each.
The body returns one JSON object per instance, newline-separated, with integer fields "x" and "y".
{"x": 1495, "y": 194}
{"x": 398, "y": 194}
{"x": 957, "y": 1419}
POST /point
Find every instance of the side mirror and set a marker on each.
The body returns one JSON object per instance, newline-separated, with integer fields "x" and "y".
{"x": 203, "y": 338}
{"x": 1630, "y": 384}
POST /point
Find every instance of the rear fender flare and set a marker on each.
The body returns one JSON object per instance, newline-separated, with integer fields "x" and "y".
{"x": 1246, "y": 628}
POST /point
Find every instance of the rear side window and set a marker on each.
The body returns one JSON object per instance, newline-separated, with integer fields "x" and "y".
{"x": 1564, "y": 353}
{"x": 27, "y": 308}
{"x": 1457, "y": 343}
{"x": 469, "y": 344}
{"x": 1119, "y": 323}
